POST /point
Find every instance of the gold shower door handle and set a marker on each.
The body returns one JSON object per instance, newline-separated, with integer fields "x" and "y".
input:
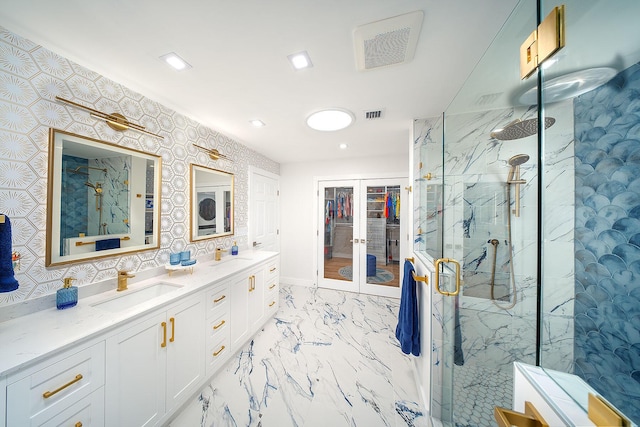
{"x": 437, "y": 263}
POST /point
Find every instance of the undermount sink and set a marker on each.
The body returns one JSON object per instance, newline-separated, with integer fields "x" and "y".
{"x": 133, "y": 297}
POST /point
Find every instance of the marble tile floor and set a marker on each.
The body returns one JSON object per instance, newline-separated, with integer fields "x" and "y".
{"x": 327, "y": 358}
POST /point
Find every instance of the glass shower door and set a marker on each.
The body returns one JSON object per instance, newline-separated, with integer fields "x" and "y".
{"x": 488, "y": 264}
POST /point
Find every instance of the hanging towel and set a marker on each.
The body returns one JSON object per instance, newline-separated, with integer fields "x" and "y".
{"x": 8, "y": 282}
{"x": 408, "y": 329}
{"x": 104, "y": 244}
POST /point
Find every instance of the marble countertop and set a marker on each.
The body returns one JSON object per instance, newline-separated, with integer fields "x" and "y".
{"x": 31, "y": 338}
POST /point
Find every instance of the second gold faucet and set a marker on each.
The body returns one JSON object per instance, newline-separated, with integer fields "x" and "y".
{"x": 123, "y": 275}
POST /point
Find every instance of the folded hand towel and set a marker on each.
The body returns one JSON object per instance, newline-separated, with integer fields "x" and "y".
{"x": 8, "y": 283}
{"x": 408, "y": 329}
{"x": 104, "y": 244}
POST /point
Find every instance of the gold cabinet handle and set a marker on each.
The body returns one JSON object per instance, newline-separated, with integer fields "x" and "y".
{"x": 272, "y": 270}
{"x": 222, "y": 322}
{"x": 217, "y": 300}
{"x": 252, "y": 283}
{"x": 173, "y": 329}
{"x": 437, "y": 263}
{"x": 164, "y": 334}
{"x": 48, "y": 394}
{"x": 78, "y": 424}
{"x": 531, "y": 417}
{"x": 272, "y": 303}
{"x": 216, "y": 353}
{"x": 272, "y": 286}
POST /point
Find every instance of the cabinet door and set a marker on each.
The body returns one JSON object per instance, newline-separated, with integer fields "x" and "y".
{"x": 239, "y": 310}
{"x": 185, "y": 349}
{"x": 256, "y": 300}
{"x": 136, "y": 374}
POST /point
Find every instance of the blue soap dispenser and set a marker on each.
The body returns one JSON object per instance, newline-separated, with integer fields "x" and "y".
{"x": 234, "y": 248}
{"x": 68, "y": 295}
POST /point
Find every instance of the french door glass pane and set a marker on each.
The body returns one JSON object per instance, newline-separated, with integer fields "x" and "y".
{"x": 383, "y": 235}
{"x": 338, "y": 233}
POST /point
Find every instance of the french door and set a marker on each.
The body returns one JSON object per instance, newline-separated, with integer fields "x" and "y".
{"x": 360, "y": 235}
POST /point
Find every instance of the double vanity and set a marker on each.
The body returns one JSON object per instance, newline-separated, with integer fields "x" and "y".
{"x": 134, "y": 358}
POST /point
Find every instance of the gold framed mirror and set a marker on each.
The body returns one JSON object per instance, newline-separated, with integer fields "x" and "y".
{"x": 102, "y": 199}
{"x": 211, "y": 203}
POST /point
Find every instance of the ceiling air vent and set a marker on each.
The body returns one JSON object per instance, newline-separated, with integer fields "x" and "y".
{"x": 387, "y": 42}
{"x": 373, "y": 114}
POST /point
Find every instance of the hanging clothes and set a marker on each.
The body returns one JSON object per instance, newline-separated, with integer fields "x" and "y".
{"x": 386, "y": 205}
{"x": 398, "y": 206}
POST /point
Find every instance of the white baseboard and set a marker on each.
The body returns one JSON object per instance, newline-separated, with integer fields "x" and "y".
{"x": 298, "y": 282}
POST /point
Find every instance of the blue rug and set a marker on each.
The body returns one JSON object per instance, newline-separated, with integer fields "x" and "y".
{"x": 382, "y": 275}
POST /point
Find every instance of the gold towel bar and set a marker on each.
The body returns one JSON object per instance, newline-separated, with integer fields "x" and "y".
{"x": 91, "y": 243}
{"x": 417, "y": 278}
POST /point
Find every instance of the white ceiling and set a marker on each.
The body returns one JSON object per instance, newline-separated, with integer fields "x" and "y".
{"x": 238, "y": 50}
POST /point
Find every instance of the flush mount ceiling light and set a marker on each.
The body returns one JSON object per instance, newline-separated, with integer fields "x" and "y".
{"x": 175, "y": 61}
{"x": 300, "y": 60}
{"x": 257, "y": 123}
{"x": 330, "y": 119}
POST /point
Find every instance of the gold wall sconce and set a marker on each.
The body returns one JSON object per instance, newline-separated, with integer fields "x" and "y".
{"x": 115, "y": 121}
{"x": 212, "y": 152}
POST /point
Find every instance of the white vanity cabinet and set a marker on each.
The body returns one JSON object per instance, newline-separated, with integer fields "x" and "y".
{"x": 65, "y": 389}
{"x": 247, "y": 305}
{"x": 155, "y": 363}
{"x": 218, "y": 327}
{"x": 271, "y": 288}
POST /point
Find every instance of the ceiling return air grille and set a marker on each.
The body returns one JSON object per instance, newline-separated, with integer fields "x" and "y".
{"x": 387, "y": 42}
{"x": 373, "y": 114}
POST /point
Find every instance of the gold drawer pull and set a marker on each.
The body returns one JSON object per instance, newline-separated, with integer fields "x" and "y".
{"x": 272, "y": 303}
{"x": 272, "y": 286}
{"x": 78, "y": 424}
{"x": 219, "y": 299}
{"x": 216, "y": 353}
{"x": 272, "y": 270}
{"x": 48, "y": 394}
{"x": 222, "y": 322}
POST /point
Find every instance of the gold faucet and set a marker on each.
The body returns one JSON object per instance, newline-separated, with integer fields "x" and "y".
{"x": 123, "y": 275}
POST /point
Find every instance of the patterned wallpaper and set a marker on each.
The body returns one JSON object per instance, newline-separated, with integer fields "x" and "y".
{"x": 607, "y": 240}
{"x": 30, "y": 79}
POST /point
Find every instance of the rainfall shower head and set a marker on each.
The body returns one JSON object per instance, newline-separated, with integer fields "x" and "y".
{"x": 521, "y": 129}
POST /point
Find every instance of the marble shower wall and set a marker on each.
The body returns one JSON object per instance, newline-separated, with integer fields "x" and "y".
{"x": 607, "y": 246}
{"x": 30, "y": 78}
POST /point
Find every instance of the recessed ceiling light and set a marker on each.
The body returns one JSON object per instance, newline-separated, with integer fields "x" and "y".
{"x": 330, "y": 119}
{"x": 343, "y": 146}
{"x": 175, "y": 61}
{"x": 300, "y": 60}
{"x": 257, "y": 123}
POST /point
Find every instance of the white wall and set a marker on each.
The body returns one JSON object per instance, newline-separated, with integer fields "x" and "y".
{"x": 297, "y": 228}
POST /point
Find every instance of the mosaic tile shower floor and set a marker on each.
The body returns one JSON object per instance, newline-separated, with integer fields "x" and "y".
{"x": 477, "y": 390}
{"x": 327, "y": 358}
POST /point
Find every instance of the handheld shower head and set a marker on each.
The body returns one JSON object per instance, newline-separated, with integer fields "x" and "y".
{"x": 518, "y": 159}
{"x": 514, "y": 172}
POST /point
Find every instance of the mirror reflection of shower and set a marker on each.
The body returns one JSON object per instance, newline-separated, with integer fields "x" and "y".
{"x": 97, "y": 188}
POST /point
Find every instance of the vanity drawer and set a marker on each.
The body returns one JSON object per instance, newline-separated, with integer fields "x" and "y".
{"x": 217, "y": 299}
{"x": 86, "y": 412}
{"x": 47, "y": 389}
{"x": 272, "y": 270}
{"x": 218, "y": 325}
{"x": 218, "y": 353}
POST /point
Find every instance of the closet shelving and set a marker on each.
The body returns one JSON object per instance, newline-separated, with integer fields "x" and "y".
{"x": 383, "y": 223}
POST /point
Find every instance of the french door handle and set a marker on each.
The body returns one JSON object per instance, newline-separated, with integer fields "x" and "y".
{"x": 363, "y": 241}
{"x": 354, "y": 240}
{"x": 437, "y": 263}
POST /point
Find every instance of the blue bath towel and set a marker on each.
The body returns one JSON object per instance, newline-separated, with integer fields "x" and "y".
{"x": 408, "y": 329}
{"x": 8, "y": 282}
{"x": 104, "y": 244}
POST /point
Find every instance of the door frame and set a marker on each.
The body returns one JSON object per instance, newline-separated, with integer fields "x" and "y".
{"x": 405, "y": 247}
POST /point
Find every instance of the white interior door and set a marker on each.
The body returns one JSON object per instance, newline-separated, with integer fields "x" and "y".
{"x": 264, "y": 190}
{"x": 360, "y": 231}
